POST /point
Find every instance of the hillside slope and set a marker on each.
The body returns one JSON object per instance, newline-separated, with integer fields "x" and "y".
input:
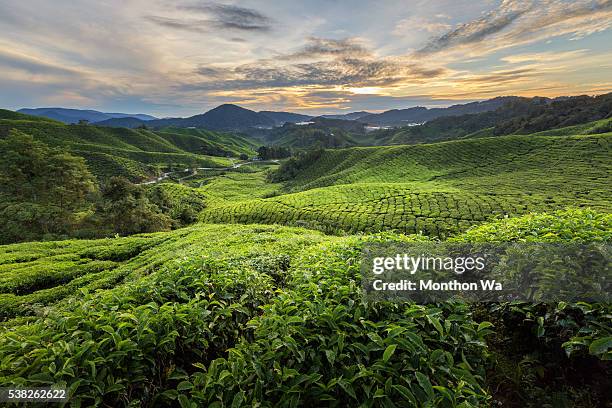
{"x": 134, "y": 153}
{"x": 74, "y": 115}
{"x": 437, "y": 189}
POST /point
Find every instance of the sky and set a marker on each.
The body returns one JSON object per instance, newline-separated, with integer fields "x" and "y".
{"x": 183, "y": 57}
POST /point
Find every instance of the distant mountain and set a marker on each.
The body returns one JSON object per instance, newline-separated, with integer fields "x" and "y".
{"x": 317, "y": 132}
{"x": 131, "y": 123}
{"x": 348, "y": 116}
{"x": 74, "y": 115}
{"x": 223, "y": 117}
{"x": 280, "y": 118}
{"x": 140, "y": 116}
{"x": 419, "y": 114}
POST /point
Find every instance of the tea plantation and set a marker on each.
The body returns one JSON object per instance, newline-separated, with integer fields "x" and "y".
{"x": 438, "y": 189}
{"x": 255, "y": 305}
{"x": 220, "y": 315}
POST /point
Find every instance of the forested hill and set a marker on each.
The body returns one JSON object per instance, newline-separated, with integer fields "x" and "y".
{"x": 134, "y": 153}
{"x": 516, "y": 116}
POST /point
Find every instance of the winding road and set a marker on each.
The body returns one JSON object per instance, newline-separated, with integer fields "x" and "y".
{"x": 194, "y": 171}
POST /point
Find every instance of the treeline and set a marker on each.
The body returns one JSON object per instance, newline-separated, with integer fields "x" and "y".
{"x": 292, "y": 167}
{"x": 559, "y": 113}
{"x": 273, "y": 152}
{"x": 321, "y": 133}
{"x": 516, "y": 116}
{"x": 47, "y": 193}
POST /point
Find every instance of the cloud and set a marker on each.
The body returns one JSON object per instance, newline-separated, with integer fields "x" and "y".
{"x": 502, "y": 76}
{"x": 341, "y": 70}
{"x": 418, "y": 23}
{"x": 542, "y": 57}
{"x": 194, "y": 25}
{"x": 232, "y": 17}
{"x": 343, "y": 62}
{"x": 209, "y": 71}
{"x": 34, "y": 66}
{"x": 477, "y": 30}
{"x": 217, "y": 17}
{"x": 322, "y": 47}
{"x": 516, "y": 22}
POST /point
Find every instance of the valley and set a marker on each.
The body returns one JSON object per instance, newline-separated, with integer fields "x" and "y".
{"x": 245, "y": 287}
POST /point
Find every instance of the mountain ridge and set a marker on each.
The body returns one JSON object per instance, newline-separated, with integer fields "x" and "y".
{"x": 69, "y": 115}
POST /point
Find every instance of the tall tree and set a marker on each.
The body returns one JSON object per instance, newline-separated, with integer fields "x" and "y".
{"x": 125, "y": 209}
{"x": 43, "y": 190}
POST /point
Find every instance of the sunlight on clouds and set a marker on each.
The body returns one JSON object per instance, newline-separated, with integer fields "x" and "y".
{"x": 187, "y": 57}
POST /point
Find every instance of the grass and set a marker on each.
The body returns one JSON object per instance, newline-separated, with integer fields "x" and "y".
{"x": 439, "y": 189}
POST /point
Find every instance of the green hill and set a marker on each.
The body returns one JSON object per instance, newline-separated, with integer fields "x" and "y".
{"x": 317, "y": 132}
{"x": 11, "y": 115}
{"x": 439, "y": 189}
{"x": 204, "y": 141}
{"x": 515, "y": 116}
{"x": 134, "y": 153}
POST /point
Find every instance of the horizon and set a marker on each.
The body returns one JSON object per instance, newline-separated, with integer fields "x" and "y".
{"x": 303, "y": 113}
{"x": 179, "y": 59}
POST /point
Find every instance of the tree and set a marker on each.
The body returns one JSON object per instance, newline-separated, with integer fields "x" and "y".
{"x": 273, "y": 152}
{"x": 43, "y": 191}
{"x": 124, "y": 208}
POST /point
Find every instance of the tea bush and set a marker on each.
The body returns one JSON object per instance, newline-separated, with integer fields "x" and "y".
{"x": 216, "y": 315}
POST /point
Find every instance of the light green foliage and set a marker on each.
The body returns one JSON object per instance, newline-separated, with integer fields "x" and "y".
{"x": 204, "y": 141}
{"x": 268, "y": 315}
{"x": 437, "y": 189}
{"x": 264, "y": 314}
{"x": 567, "y": 225}
{"x": 237, "y": 186}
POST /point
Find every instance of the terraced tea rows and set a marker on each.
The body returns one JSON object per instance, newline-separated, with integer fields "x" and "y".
{"x": 461, "y": 161}
{"x": 38, "y": 274}
{"x": 376, "y": 207}
{"x": 438, "y": 189}
{"x": 222, "y": 315}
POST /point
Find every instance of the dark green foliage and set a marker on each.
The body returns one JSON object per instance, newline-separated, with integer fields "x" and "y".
{"x": 290, "y": 169}
{"x": 275, "y": 316}
{"x": 273, "y": 152}
{"x": 261, "y": 315}
{"x": 42, "y": 190}
{"x": 559, "y": 113}
{"x": 319, "y": 133}
{"x": 179, "y": 202}
{"x": 10, "y": 115}
{"x": 516, "y": 116}
{"x": 133, "y": 153}
{"x": 124, "y": 208}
